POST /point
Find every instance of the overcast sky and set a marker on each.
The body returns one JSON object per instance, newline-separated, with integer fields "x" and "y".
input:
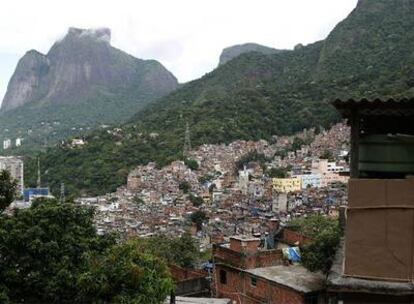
{"x": 187, "y": 36}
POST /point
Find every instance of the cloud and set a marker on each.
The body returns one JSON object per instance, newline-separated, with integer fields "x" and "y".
{"x": 187, "y": 36}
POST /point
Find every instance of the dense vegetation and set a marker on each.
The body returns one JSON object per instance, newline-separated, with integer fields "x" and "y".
{"x": 253, "y": 96}
{"x": 7, "y": 189}
{"x": 181, "y": 251}
{"x": 52, "y": 254}
{"x": 45, "y": 125}
{"x": 325, "y": 234}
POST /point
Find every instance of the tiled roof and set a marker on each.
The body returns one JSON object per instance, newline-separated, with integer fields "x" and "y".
{"x": 391, "y": 106}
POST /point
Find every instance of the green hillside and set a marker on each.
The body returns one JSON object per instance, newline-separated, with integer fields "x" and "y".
{"x": 370, "y": 54}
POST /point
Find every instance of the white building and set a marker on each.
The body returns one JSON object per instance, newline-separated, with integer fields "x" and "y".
{"x": 323, "y": 166}
{"x": 78, "y": 142}
{"x": 15, "y": 166}
{"x": 244, "y": 180}
{"x": 280, "y": 202}
{"x": 329, "y": 172}
{"x": 6, "y": 144}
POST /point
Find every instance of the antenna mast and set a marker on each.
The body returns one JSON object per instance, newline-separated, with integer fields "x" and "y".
{"x": 187, "y": 141}
{"x": 38, "y": 173}
{"x": 62, "y": 192}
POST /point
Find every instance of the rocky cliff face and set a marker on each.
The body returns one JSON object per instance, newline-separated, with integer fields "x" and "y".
{"x": 26, "y": 83}
{"x": 236, "y": 50}
{"x": 79, "y": 67}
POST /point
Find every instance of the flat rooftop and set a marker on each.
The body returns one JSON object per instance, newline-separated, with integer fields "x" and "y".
{"x": 295, "y": 277}
{"x": 244, "y": 238}
{"x": 188, "y": 300}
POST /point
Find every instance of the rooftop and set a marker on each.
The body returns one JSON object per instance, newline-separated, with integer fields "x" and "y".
{"x": 295, "y": 277}
{"x": 187, "y": 300}
{"x": 244, "y": 238}
{"x": 376, "y": 107}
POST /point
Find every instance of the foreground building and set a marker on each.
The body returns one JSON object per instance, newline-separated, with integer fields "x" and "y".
{"x": 246, "y": 272}
{"x": 375, "y": 264}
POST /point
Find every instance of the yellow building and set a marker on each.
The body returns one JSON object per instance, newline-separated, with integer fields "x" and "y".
{"x": 286, "y": 185}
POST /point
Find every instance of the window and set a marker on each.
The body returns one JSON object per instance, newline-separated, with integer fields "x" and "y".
{"x": 223, "y": 277}
{"x": 311, "y": 299}
{"x": 253, "y": 281}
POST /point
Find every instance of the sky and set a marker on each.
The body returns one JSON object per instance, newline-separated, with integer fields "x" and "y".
{"x": 186, "y": 36}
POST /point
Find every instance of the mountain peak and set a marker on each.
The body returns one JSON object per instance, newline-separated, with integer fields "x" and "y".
{"x": 81, "y": 65}
{"x": 100, "y": 34}
{"x": 236, "y": 50}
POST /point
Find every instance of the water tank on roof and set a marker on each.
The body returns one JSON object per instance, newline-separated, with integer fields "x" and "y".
{"x": 382, "y": 153}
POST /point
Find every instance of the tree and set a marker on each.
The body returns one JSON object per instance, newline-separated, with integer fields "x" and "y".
{"x": 51, "y": 253}
{"x": 137, "y": 200}
{"x": 8, "y": 187}
{"x": 251, "y": 157}
{"x": 191, "y": 163}
{"x": 325, "y": 235}
{"x": 277, "y": 173}
{"x": 181, "y": 251}
{"x": 125, "y": 275}
{"x": 319, "y": 254}
{"x": 327, "y": 154}
{"x": 184, "y": 186}
{"x": 205, "y": 178}
{"x": 196, "y": 200}
{"x": 297, "y": 143}
{"x": 198, "y": 218}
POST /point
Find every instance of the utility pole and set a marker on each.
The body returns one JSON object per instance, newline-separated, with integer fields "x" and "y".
{"x": 38, "y": 173}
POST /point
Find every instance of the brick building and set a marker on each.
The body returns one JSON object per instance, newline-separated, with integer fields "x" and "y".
{"x": 247, "y": 274}
{"x": 190, "y": 282}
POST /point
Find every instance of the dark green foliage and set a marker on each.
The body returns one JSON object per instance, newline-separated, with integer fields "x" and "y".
{"x": 327, "y": 154}
{"x": 251, "y": 157}
{"x": 138, "y": 200}
{"x": 196, "y": 200}
{"x": 181, "y": 251}
{"x": 42, "y": 251}
{"x": 277, "y": 172}
{"x": 125, "y": 275}
{"x": 191, "y": 163}
{"x": 325, "y": 234}
{"x": 184, "y": 186}
{"x": 52, "y": 123}
{"x": 198, "y": 218}
{"x": 7, "y": 189}
{"x": 298, "y": 143}
{"x": 52, "y": 254}
{"x": 205, "y": 178}
{"x": 251, "y": 97}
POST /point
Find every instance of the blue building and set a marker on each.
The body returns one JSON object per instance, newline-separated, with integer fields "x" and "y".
{"x": 28, "y": 193}
{"x": 310, "y": 180}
